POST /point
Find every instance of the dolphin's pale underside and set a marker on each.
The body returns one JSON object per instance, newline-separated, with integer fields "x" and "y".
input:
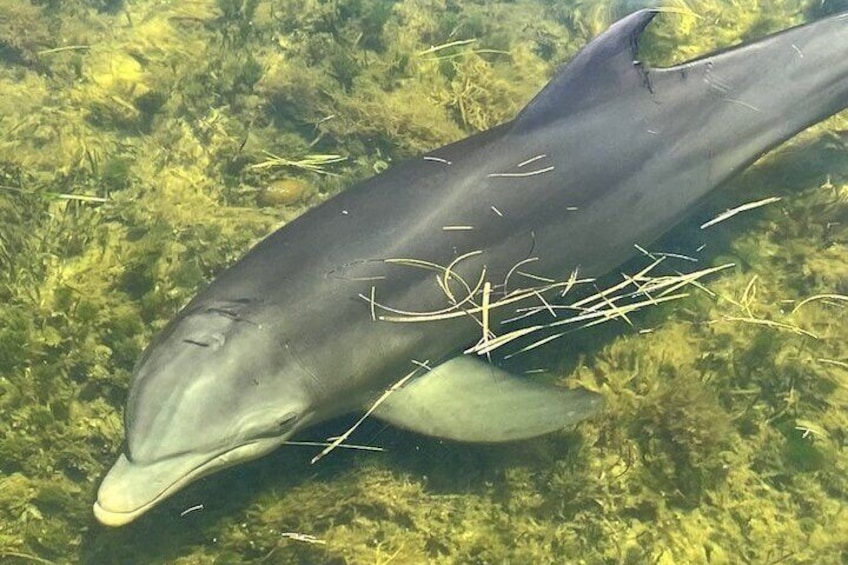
{"x": 611, "y": 153}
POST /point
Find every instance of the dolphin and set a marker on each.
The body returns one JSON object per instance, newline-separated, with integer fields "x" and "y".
{"x": 611, "y": 153}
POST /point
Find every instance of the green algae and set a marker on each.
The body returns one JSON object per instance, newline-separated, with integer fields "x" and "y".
{"x": 129, "y": 133}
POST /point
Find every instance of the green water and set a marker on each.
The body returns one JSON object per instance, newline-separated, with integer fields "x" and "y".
{"x": 145, "y": 145}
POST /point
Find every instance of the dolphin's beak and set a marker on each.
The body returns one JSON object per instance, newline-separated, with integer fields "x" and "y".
{"x": 130, "y": 489}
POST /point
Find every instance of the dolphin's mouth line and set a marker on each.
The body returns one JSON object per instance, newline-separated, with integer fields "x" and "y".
{"x": 219, "y": 461}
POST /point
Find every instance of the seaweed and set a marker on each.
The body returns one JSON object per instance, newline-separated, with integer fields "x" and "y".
{"x": 133, "y": 144}
{"x": 23, "y": 33}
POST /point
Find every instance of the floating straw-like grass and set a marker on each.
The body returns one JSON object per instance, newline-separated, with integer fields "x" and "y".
{"x": 26, "y": 557}
{"x": 748, "y": 300}
{"x": 58, "y": 195}
{"x": 305, "y": 538}
{"x": 340, "y": 446}
{"x": 833, "y": 362}
{"x": 738, "y": 210}
{"x": 338, "y": 441}
{"x": 479, "y": 301}
{"x": 771, "y": 324}
{"x": 314, "y": 163}
{"x": 437, "y": 48}
{"x": 835, "y": 297}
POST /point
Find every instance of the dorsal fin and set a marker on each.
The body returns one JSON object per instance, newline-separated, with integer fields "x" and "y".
{"x": 601, "y": 70}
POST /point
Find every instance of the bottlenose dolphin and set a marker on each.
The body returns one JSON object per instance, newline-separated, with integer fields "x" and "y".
{"x": 611, "y": 153}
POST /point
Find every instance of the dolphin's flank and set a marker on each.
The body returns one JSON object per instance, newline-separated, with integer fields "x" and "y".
{"x": 611, "y": 153}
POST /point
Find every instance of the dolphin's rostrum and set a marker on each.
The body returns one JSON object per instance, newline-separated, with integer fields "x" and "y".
{"x": 611, "y": 153}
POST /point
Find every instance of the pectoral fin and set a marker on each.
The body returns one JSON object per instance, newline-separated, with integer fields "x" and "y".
{"x": 466, "y": 399}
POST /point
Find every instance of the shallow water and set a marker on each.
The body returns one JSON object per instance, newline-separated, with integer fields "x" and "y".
{"x": 146, "y": 145}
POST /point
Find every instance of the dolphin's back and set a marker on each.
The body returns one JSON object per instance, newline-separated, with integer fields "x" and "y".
{"x": 610, "y": 154}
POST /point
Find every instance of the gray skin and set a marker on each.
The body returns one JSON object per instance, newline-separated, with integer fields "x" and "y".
{"x": 282, "y": 339}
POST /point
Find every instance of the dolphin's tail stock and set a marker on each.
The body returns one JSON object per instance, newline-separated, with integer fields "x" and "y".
{"x": 769, "y": 91}
{"x": 681, "y": 131}
{"x": 740, "y": 101}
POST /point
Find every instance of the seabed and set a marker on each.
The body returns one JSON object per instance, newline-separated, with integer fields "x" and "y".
{"x": 145, "y": 145}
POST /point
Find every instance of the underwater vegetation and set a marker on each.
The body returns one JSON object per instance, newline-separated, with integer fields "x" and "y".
{"x": 146, "y": 145}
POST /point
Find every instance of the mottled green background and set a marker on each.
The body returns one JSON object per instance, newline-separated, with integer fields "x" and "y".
{"x": 146, "y": 144}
